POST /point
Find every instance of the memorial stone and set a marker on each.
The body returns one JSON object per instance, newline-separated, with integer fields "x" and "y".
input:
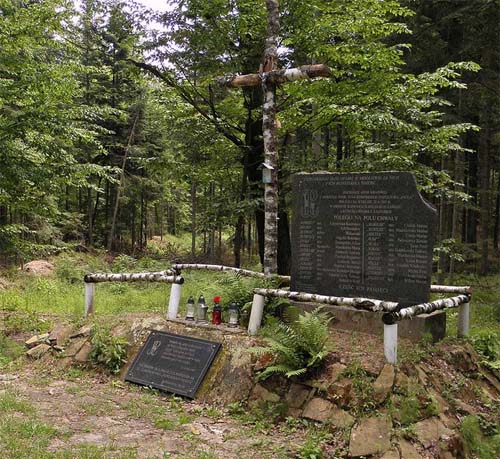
{"x": 362, "y": 235}
{"x": 173, "y": 363}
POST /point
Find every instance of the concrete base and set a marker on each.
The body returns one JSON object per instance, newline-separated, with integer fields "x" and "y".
{"x": 348, "y": 318}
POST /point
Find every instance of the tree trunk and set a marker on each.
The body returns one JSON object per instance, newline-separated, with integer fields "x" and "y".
{"x": 269, "y": 133}
{"x": 484, "y": 192}
{"x": 194, "y": 203}
{"x": 122, "y": 184}
{"x": 496, "y": 227}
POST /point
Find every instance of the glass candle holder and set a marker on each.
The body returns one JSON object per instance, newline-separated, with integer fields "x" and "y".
{"x": 234, "y": 315}
{"x": 202, "y": 310}
{"x": 190, "y": 309}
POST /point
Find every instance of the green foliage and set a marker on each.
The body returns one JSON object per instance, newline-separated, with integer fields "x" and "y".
{"x": 487, "y": 343}
{"x": 108, "y": 350}
{"x": 476, "y": 442}
{"x": 297, "y": 347}
{"x": 9, "y": 350}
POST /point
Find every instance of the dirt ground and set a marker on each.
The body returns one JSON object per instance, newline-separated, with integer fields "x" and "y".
{"x": 123, "y": 420}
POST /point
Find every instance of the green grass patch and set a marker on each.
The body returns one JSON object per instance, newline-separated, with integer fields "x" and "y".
{"x": 9, "y": 350}
{"x": 484, "y": 445}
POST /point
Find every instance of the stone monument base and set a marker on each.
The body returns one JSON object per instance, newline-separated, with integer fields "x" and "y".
{"x": 348, "y": 318}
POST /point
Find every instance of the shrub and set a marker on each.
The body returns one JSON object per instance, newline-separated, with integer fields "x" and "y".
{"x": 108, "y": 350}
{"x": 298, "y": 346}
{"x": 487, "y": 343}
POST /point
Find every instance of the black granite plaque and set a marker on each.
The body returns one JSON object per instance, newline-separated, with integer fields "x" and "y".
{"x": 173, "y": 363}
{"x": 362, "y": 235}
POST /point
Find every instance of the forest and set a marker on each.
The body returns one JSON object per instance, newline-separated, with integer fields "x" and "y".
{"x": 116, "y": 131}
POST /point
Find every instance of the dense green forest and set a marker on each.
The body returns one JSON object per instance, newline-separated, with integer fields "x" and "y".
{"x": 114, "y": 128}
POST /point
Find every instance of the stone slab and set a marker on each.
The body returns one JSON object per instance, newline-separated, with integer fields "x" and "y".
{"x": 367, "y": 235}
{"x": 371, "y": 436}
{"x": 348, "y": 318}
{"x": 173, "y": 363}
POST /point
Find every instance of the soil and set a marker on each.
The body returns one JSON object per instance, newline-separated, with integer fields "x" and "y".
{"x": 96, "y": 409}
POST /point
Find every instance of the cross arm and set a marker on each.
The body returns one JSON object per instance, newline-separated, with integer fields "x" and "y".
{"x": 276, "y": 76}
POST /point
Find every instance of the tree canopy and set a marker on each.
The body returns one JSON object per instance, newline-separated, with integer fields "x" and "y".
{"x": 114, "y": 126}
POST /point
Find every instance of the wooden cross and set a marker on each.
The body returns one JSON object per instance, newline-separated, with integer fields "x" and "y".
{"x": 269, "y": 77}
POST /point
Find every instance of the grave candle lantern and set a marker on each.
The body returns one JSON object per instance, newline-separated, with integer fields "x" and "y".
{"x": 233, "y": 315}
{"x": 202, "y": 310}
{"x": 216, "y": 312}
{"x": 190, "y": 309}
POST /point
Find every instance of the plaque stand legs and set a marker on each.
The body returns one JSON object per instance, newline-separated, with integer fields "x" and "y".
{"x": 463, "y": 319}
{"x": 256, "y": 314}
{"x": 175, "y": 298}
{"x": 391, "y": 343}
{"x": 89, "y": 298}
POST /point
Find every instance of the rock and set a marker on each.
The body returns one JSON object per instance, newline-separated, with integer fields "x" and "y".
{"x": 465, "y": 407}
{"x": 335, "y": 371}
{"x": 490, "y": 378}
{"x": 297, "y": 395}
{"x": 341, "y": 392}
{"x": 260, "y": 394}
{"x": 383, "y": 384}
{"x": 441, "y": 403}
{"x": 318, "y": 409}
{"x": 38, "y": 351}
{"x": 408, "y": 451}
{"x": 60, "y": 334}
{"x": 465, "y": 358}
{"x": 85, "y": 330}
{"x": 402, "y": 382}
{"x": 74, "y": 347}
{"x": 391, "y": 454}
{"x": 39, "y": 268}
{"x": 83, "y": 354}
{"x": 430, "y": 431}
{"x": 341, "y": 419}
{"x": 294, "y": 412}
{"x": 36, "y": 340}
{"x": 370, "y": 365}
{"x": 371, "y": 436}
{"x": 422, "y": 375}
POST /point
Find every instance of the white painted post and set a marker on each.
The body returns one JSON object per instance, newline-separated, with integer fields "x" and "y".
{"x": 256, "y": 314}
{"x": 89, "y": 298}
{"x": 463, "y": 319}
{"x": 391, "y": 343}
{"x": 175, "y": 299}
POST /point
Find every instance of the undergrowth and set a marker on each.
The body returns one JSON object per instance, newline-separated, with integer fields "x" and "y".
{"x": 298, "y": 346}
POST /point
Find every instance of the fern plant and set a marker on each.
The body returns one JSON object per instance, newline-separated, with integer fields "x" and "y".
{"x": 297, "y": 346}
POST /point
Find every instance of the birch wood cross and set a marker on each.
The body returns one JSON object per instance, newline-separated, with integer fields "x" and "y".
{"x": 269, "y": 77}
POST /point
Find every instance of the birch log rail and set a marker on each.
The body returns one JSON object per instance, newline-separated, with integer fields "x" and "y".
{"x": 392, "y": 311}
{"x": 363, "y": 303}
{"x": 178, "y": 267}
{"x": 425, "y": 308}
{"x": 168, "y": 276}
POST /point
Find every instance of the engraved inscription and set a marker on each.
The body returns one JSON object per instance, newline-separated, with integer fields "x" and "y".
{"x": 173, "y": 363}
{"x": 362, "y": 235}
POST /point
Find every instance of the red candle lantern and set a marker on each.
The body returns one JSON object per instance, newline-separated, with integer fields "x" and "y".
{"x": 216, "y": 311}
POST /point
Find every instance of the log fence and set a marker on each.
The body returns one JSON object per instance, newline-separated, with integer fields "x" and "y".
{"x": 392, "y": 312}
{"x": 168, "y": 276}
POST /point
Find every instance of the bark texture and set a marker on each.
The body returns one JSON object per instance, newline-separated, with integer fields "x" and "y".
{"x": 244, "y": 272}
{"x": 276, "y": 77}
{"x": 465, "y": 290}
{"x": 169, "y": 276}
{"x": 269, "y": 133}
{"x": 425, "y": 308}
{"x": 362, "y": 303}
